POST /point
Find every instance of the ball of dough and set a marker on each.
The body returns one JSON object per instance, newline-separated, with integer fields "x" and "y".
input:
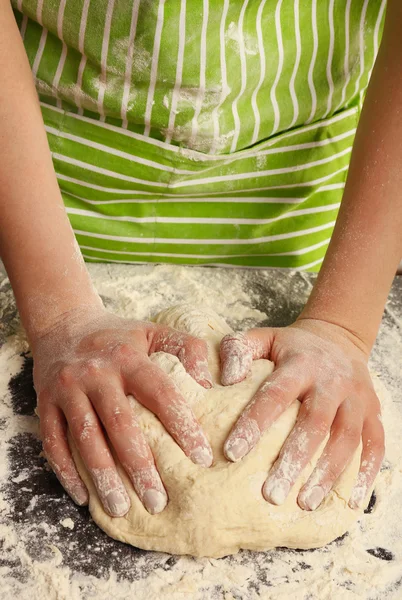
{"x": 215, "y": 512}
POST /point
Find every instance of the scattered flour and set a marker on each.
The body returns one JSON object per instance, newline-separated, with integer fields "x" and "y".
{"x": 366, "y": 564}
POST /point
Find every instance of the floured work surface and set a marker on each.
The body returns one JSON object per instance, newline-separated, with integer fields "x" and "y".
{"x": 51, "y": 549}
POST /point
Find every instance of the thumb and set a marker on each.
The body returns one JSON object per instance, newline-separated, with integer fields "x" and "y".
{"x": 191, "y": 351}
{"x": 238, "y": 350}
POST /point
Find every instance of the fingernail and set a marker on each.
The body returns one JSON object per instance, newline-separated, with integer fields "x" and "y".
{"x": 154, "y": 501}
{"x": 79, "y": 495}
{"x": 77, "y": 491}
{"x": 357, "y": 498}
{"x": 231, "y": 370}
{"x": 236, "y": 449}
{"x": 276, "y": 490}
{"x": 206, "y": 383}
{"x": 206, "y": 376}
{"x": 202, "y": 456}
{"x": 118, "y": 503}
{"x": 312, "y": 498}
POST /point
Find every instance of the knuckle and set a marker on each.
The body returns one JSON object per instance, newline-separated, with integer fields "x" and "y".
{"x": 273, "y": 392}
{"x": 52, "y": 441}
{"x": 84, "y": 428}
{"x": 377, "y": 444}
{"x": 65, "y": 376}
{"x": 48, "y": 444}
{"x": 92, "y": 368}
{"x": 43, "y": 398}
{"x": 53, "y": 457}
{"x": 316, "y": 418}
{"x": 146, "y": 371}
{"x": 159, "y": 396}
{"x": 359, "y": 389}
{"x": 351, "y": 433}
{"x": 332, "y": 472}
{"x": 378, "y": 448}
{"x": 375, "y": 405}
{"x": 48, "y": 422}
{"x": 123, "y": 352}
{"x": 119, "y": 421}
{"x": 379, "y": 438}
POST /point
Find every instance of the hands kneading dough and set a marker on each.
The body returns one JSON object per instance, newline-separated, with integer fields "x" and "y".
{"x": 218, "y": 510}
{"x": 84, "y": 368}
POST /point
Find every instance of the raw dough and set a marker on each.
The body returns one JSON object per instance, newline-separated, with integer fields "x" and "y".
{"x": 215, "y": 512}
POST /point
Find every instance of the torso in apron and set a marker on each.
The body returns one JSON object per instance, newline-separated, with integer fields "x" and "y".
{"x": 202, "y": 132}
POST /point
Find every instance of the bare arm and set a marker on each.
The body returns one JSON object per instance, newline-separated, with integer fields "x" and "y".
{"x": 85, "y": 360}
{"x": 37, "y": 244}
{"x": 321, "y": 359}
{"x": 366, "y": 246}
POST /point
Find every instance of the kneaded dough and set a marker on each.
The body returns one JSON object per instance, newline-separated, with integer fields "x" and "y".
{"x": 217, "y": 511}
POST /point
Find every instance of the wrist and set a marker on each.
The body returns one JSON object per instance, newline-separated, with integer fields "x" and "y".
{"x": 65, "y": 315}
{"x": 333, "y": 329}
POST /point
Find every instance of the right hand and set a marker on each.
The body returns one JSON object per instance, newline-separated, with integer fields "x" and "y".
{"x": 84, "y": 367}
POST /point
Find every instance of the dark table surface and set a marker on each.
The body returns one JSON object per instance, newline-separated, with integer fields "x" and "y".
{"x": 39, "y": 504}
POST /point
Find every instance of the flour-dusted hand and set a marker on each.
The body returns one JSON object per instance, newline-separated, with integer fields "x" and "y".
{"x": 325, "y": 367}
{"x": 84, "y": 367}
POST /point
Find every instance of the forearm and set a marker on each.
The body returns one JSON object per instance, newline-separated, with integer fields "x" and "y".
{"x": 366, "y": 246}
{"x": 37, "y": 244}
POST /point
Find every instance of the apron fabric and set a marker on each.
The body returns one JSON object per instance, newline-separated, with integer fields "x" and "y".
{"x": 204, "y": 132}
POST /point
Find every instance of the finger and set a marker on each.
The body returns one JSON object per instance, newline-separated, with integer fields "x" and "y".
{"x": 157, "y": 392}
{"x": 237, "y": 352}
{"x": 191, "y": 351}
{"x": 312, "y": 426}
{"x": 55, "y": 446}
{"x": 128, "y": 440}
{"x": 343, "y": 442}
{"x": 274, "y": 396}
{"x": 371, "y": 459}
{"x": 92, "y": 447}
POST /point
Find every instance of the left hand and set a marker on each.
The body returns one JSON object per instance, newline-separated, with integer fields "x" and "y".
{"x": 325, "y": 367}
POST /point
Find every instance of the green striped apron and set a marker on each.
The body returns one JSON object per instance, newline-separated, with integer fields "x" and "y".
{"x": 198, "y": 132}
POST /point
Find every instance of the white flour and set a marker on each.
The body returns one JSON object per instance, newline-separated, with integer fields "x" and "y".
{"x": 343, "y": 570}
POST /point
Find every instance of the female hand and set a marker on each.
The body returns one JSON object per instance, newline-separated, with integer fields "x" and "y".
{"x": 325, "y": 367}
{"x": 83, "y": 369}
